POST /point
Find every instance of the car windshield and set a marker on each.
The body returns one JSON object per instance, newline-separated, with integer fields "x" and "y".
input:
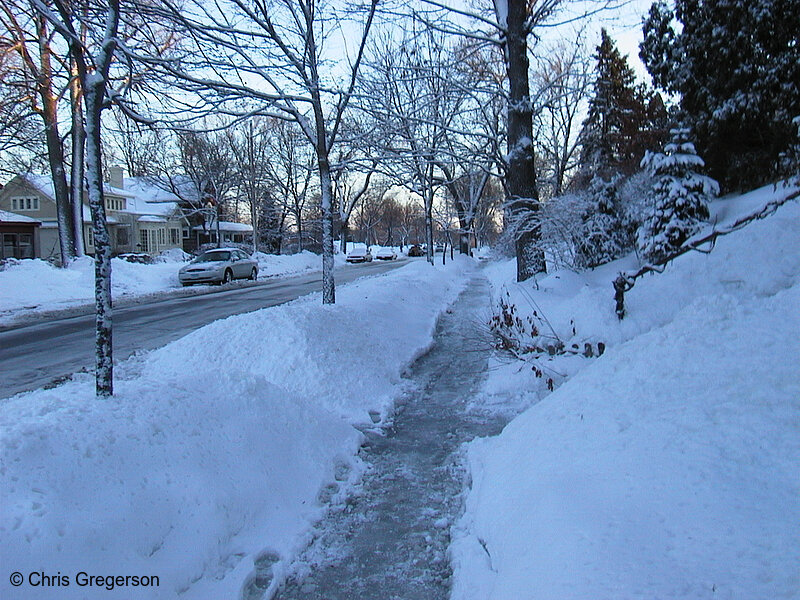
{"x": 216, "y": 256}
{"x": 358, "y": 252}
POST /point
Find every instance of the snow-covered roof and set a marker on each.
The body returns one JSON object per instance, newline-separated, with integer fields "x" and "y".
{"x": 44, "y": 183}
{"x": 141, "y": 197}
{"x": 149, "y": 199}
{"x": 110, "y": 189}
{"x": 9, "y": 217}
{"x": 158, "y": 190}
{"x": 151, "y": 219}
{"x": 226, "y": 226}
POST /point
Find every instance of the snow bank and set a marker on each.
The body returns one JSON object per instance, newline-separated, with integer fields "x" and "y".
{"x": 214, "y": 448}
{"x": 666, "y": 468}
{"x": 30, "y": 286}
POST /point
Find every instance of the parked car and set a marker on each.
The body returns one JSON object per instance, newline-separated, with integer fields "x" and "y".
{"x": 386, "y": 254}
{"x": 359, "y": 255}
{"x": 416, "y": 250}
{"x": 438, "y": 247}
{"x": 220, "y": 265}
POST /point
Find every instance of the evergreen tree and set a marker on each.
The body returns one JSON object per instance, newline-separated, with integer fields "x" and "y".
{"x": 680, "y": 196}
{"x": 604, "y": 236}
{"x": 736, "y": 66}
{"x": 624, "y": 118}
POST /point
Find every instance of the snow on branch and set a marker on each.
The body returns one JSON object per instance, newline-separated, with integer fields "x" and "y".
{"x": 625, "y": 281}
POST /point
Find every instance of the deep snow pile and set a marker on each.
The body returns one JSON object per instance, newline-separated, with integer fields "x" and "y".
{"x": 30, "y": 286}
{"x": 215, "y": 447}
{"x": 667, "y": 467}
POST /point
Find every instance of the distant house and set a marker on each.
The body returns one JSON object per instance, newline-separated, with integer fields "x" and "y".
{"x": 135, "y": 225}
{"x": 236, "y": 233}
{"x": 19, "y": 235}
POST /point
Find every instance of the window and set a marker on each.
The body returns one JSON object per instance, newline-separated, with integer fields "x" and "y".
{"x": 123, "y": 236}
{"x": 174, "y": 236}
{"x": 144, "y": 240}
{"x": 115, "y": 204}
{"x": 162, "y": 237}
{"x": 28, "y": 204}
{"x": 17, "y": 245}
{"x": 186, "y": 233}
{"x": 90, "y": 236}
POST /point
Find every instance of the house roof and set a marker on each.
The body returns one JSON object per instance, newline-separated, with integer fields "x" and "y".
{"x": 44, "y": 183}
{"x": 141, "y": 197}
{"x": 158, "y": 189}
{"x": 227, "y": 226}
{"x": 149, "y": 199}
{"x": 9, "y": 217}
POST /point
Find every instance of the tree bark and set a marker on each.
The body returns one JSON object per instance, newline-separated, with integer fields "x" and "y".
{"x": 521, "y": 184}
{"x": 55, "y": 146}
{"x": 78, "y": 156}
{"x": 104, "y": 372}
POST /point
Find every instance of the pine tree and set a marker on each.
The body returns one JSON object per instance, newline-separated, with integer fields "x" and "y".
{"x": 680, "y": 196}
{"x": 603, "y": 237}
{"x": 623, "y": 117}
{"x": 736, "y": 66}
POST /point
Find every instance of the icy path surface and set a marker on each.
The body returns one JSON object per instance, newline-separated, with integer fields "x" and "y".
{"x": 389, "y": 540}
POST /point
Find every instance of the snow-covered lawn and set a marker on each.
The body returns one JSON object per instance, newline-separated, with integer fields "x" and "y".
{"x": 213, "y": 448}
{"x": 31, "y": 286}
{"x": 670, "y": 466}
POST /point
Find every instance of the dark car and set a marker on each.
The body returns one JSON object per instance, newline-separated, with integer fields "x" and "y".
{"x": 416, "y": 250}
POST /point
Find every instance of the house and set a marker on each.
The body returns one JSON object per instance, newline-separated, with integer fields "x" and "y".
{"x": 198, "y": 208}
{"x": 231, "y": 233}
{"x": 135, "y": 225}
{"x": 18, "y": 235}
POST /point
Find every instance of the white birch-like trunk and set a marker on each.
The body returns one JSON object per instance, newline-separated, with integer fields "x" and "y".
{"x": 104, "y": 368}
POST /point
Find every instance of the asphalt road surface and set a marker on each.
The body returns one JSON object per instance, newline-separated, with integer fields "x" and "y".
{"x": 32, "y": 356}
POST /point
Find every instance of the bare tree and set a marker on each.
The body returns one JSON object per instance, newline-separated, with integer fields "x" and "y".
{"x": 42, "y": 73}
{"x": 290, "y": 171}
{"x": 92, "y": 44}
{"x": 369, "y": 215}
{"x": 250, "y": 147}
{"x": 414, "y": 104}
{"x": 269, "y": 58}
{"x": 511, "y": 26}
{"x": 348, "y": 188}
{"x": 564, "y": 74}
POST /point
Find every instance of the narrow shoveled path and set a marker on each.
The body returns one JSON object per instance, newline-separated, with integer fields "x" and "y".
{"x": 389, "y": 540}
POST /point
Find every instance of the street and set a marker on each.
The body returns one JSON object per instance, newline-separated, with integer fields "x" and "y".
{"x": 34, "y": 355}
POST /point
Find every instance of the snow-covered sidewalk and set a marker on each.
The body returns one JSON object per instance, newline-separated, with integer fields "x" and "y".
{"x": 666, "y": 468}
{"x": 214, "y": 448}
{"x": 388, "y": 537}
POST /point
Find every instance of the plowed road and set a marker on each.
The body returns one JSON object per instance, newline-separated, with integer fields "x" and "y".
{"x": 34, "y": 355}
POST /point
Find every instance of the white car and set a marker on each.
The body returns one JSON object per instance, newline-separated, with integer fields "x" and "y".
{"x": 359, "y": 255}
{"x": 220, "y": 265}
{"x": 385, "y": 254}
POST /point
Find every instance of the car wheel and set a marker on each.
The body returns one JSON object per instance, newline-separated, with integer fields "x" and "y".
{"x": 253, "y": 274}
{"x": 228, "y": 277}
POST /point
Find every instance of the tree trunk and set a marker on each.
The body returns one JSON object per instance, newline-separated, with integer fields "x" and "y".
{"x": 328, "y": 282}
{"x": 55, "y": 148}
{"x": 104, "y": 374}
{"x": 343, "y": 233}
{"x": 217, "y": 226}
{"x": 521, "y": 185}
{"x": 78, "y": 155}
